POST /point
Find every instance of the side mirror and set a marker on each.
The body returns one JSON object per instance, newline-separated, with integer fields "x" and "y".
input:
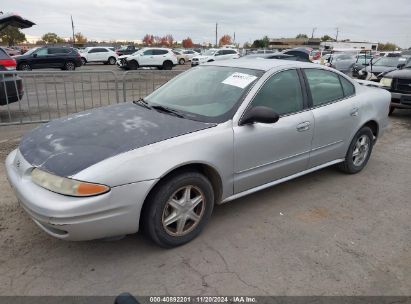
{"x": 259, "y": 114}
{"x": 400, "y": 66}
{"x": 34, "y": 55}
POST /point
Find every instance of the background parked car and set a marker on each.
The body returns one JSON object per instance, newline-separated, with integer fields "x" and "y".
{"x": 161, "y": 58}
{"x": 398, "y": 82}
{"x": 98, "y": 54}
{"x": 190, "y": 54}
{"x": 382, "y": 66}
{"x": 11, "y": 86}
{"x": 281, "y": 56}
{"x": 126, "y": 50}
{"x": 215, "y": 55}
{"x": 65, "y": 58}
{"x": 12, "y": 51}
{"x": 181, "y": 58}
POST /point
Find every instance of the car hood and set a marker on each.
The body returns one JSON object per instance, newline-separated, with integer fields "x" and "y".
{"x": 69, "y": 145}
{"x": 201, "y": 57}
{"x": 123, "y": 56}
{"x": 380, "y": 69}
{"x": 403, "y": 74}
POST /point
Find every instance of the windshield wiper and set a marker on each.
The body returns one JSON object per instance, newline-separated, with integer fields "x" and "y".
{"x": 168, "y": 110}
{"x": 142, "y": 102}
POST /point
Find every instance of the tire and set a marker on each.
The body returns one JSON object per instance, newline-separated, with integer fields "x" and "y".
{"x": 158, "y": 210}
{"x": 167, "y": 65}
{"x": 112, "y": 61}
{"x": 391, "y": 111}
{"x": 362, "y": 145}
{"x": 133, "y": 65}
{"x": 24, "y": 66}
{"x": 69, "y": 66}
{"x": 83, "y": 61}
{"x": 182, "y": 61}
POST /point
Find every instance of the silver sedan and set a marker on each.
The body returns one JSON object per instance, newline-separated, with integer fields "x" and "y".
{"x": 210, "y": 135}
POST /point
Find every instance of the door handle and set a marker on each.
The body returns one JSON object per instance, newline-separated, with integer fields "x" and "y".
{"x": 304, "y": 126}
{"x": 354, "y": 112}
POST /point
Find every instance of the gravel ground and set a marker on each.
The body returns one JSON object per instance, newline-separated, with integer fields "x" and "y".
{"x": 325, "y": 233}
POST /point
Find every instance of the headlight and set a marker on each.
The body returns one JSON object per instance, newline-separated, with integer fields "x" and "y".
{"x": 386, "y": 82}
{"x": 360, "y": 72}
{"x": 65, "y": 185}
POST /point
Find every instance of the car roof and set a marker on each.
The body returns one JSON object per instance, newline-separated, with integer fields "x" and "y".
{"x": 261, "y": 64}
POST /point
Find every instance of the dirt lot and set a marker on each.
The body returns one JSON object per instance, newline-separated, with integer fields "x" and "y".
{"x": 323, "y": 234}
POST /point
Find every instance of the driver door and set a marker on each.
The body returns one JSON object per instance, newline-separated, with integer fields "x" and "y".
{"x": 267, "y": 152}
{"x": 146, "y": 58}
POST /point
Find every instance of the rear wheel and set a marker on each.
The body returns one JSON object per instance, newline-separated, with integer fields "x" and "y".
{"x": 24, "y": 66}
{"x": 69, "y": 66}
{"x": 83, "y": 61}
{"x": 359, "y": 152}
{"x": 178, "y": 209}
{"x": 167, "y": 65}
{"x": 182, "y": 61}
{"x": 112, "y": 60}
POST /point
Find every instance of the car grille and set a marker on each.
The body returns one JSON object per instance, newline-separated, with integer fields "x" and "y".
{"x": 403, "y": 85}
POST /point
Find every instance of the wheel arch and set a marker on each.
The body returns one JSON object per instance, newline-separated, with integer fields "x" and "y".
{"x": 207, "y": 170}
{"x": 374, "y": 126}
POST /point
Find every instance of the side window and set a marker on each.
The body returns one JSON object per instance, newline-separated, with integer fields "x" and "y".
{"x": 53, "y": 51}
{"x": 148, "y": 52}
{"x": 160, "y": 52}
{"x": 218, "y": 53}
{"x": 348, "y": 87}
{"x": 101, "y": 50}
{"x": 282, "y": 93}
{"x": 42, "y": 52}
{"x": 325, "y": 86}
{"x": 92, "y": 51}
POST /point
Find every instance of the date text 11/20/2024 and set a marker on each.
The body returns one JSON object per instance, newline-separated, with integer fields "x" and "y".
{"x": 203, "y": 299}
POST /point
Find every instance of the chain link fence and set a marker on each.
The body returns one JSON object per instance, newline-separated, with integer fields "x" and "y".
{"x": 32, "y": 97}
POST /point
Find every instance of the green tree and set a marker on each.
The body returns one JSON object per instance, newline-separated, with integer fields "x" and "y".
{"x": 301, "y": 36}
{"x": 326, "y": 38}
{"x": 52, "y": 38}
{"x": 80, "y": 38}
{"x": 12, "y": 36}
{"x": 388, "y": 46}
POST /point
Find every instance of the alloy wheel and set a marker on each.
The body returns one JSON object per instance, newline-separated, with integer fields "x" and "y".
{"x": 361, "y": 149}
{"x": 183, "y": 211}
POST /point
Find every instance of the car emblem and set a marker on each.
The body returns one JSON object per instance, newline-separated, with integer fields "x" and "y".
{"x": 18, "y": 164}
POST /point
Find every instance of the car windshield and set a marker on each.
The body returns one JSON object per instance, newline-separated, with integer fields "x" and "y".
{"x": 209, "y": 52}
{"x": 387, "y": 61}
{"x": 408, "y": 65}
{"x": 31, "y": 51}
{"x": 206, "y": 93}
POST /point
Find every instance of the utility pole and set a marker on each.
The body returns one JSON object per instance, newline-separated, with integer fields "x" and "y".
{"x": 336, "y": 36}
{"x": 312, "y": 33}
{"x": 234, "y": 38}
{"x": 216, "y": 33}
{"x": 72, "y": 28}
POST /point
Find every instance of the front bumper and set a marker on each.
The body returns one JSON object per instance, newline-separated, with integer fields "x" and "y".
{"x": 401, "y": 100}
{"x": 114, "y": 213}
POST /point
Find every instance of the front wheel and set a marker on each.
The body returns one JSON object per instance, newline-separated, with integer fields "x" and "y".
{"x": 359, "y": 152}
{"x": 178, "y": 209}
{"x": 24, "y": 66}
{"x": 83, "y": 61}
{"x": 182, "y": 61}
{"x": 133, "y": 65}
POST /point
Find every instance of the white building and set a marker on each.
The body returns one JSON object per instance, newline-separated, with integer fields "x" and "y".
{"x": 341, "y": 45}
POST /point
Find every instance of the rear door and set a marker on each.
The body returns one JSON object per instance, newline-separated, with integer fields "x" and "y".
{"x": 159, "y": 56}
{"x": 336, "y": 113}
{"x": 57, "y": 57}
{"x": 267, "y": 152}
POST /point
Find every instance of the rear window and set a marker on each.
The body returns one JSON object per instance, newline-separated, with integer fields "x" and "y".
{"x": 160, "y": 52}
{"x": 3, "y": 54}
{"x": 59, "y": 50}
{"x": 348, "y": 87}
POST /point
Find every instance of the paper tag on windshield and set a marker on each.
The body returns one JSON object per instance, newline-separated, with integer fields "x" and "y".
{"x": 240, "y": 80}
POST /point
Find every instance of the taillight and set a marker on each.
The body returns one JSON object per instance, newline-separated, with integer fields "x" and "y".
{"x": 9, "y": 64}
